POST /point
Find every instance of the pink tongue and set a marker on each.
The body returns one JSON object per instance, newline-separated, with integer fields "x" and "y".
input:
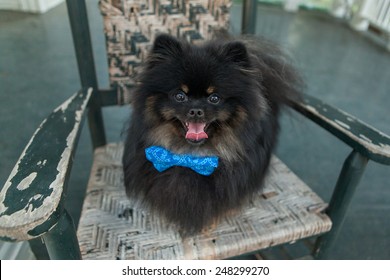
{"x": 196, "y": 131}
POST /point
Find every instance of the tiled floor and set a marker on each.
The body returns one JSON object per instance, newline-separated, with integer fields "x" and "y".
{"x": 38, "y": 71}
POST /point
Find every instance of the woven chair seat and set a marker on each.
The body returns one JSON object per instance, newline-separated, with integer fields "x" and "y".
{"x": 112, "y": 226}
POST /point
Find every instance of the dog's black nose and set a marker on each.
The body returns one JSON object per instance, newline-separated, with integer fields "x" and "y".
{"x": 194, "y": 112}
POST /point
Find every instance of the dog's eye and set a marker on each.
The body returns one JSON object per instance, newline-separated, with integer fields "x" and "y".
{"x": 180, "y": 96}
{"x": 214, "y": 98}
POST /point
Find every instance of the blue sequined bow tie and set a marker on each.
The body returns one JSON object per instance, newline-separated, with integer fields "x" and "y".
{"x": 163, "y": 159}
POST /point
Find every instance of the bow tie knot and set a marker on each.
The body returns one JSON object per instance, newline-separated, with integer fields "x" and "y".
{"x": 163, "y": 159}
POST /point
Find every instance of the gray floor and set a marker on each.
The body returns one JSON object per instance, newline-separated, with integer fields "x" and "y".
{"x": 38, "y": 71}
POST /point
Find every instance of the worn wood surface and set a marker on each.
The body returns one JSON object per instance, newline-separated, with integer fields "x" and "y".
{"x": 31, "y": 199}
{"x": 367, "y": 140}
{"x": 114, "y": 227}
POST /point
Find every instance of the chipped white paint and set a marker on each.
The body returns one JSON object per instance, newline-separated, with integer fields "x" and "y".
{"x": 16, "y": 169}
{"x": 64, "y": 105}
{"x": 365, "y": 138}
{"x": 344, "y": 125}
{"x": 383, "y": 134}
{"x": 26, "y": 182}
{"x": 36, "y": 197}
{"x": 30, "y": 206}
{"x": 42, "y": 163}
{"x": 385, "y": 147}
{"x": 311, "y": 108}
{"x": 381, "y": 149}
{"x": 19, "y": 223}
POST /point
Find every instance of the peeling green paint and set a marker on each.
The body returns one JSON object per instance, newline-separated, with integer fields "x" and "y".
{"x": 38, "y": 230}
{"x": 38, "y": 181}
{"x": 47, "y": 145}
{"x": 7, "y": 239}
{"x": 358, "y": 135}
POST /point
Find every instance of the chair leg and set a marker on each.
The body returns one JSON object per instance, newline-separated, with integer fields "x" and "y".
{"x": 348, "y": 180}
{"x": 61, "y": 241}
{"x": 38, "y": 248}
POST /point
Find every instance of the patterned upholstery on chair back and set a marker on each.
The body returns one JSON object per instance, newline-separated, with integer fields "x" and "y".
{"x": 131, "y": 26}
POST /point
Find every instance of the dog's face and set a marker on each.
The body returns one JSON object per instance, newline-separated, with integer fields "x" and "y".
{"x": 198, "y": 99}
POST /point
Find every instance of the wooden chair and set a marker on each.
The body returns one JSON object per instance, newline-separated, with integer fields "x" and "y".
{"x": 114, "y": 227}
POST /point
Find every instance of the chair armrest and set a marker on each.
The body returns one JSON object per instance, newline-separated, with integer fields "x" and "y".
{"x": 363, "y": 138}
{"x": 32, "y": 197}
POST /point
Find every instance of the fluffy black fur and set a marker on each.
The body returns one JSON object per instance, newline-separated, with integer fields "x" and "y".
{"x": 250, "y": 80}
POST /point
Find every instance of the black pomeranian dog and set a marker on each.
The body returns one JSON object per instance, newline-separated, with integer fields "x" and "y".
{"x": 203, "y": 126}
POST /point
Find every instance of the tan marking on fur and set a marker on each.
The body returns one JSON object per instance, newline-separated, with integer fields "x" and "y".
{"x": 185, "y": 88}
{"x": 168, "y": 113}
{"x": 211, "y": 227}
{"x": 228, "y": 146}
{"x": 150, "y": 102}
{"x": 210, "y": 90}
{"x": 226, "y": 142}
{"x": 163, "y": 135}
{"x": 223, "y": 115}
{"x": 242, "y": 115}
{"x": 169, "y": 137}
{"x": 234, "y": 212}
{"x": 185, "y": 148}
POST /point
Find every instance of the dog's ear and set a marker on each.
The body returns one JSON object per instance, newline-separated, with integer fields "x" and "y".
{"x": 167, "y": 45}
{"x": 236, "y": 52}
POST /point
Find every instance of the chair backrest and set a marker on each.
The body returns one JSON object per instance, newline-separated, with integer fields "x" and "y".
{"x": 130, "y": 28}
